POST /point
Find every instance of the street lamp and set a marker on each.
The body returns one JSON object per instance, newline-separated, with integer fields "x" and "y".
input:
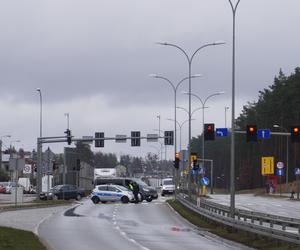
{"x": 40, "y": 148}
{"x": 174, "y": 88}
{"x": 287, "y": 156}
{"x": 180, "y": 127}
{"x": 196, "y": 109}
{"x": 232, "y": 150}
{"x": 203, "y": 107}
{"x": 190, "y": 60}
{"x": 67, "y": 115}
{"x": 226, "y": 108}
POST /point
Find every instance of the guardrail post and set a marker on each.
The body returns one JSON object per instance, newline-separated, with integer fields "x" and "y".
{"x": 271, "y": 224}
{"x": 260, "y": 222}
{"x": 284, "y": 227}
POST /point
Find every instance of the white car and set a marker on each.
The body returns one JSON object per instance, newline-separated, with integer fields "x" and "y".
{"x": 109, "y": 192}
{"x": 168, "y": 186}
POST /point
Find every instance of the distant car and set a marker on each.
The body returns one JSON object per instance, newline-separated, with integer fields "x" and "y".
{"x": 146, "y": 192}
{"x": 168, "y": 186}
{"x": 11, "y": 185}
{"x": 64, "y": 192}
{"x": 2, "y": 188}
{"x": 104, "y": 193}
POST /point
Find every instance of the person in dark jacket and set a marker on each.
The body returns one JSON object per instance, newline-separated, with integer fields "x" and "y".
{"x": 136, "y": 191}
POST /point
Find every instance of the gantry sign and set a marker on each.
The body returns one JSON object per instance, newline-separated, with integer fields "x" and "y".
{"x": 99, "y": 142}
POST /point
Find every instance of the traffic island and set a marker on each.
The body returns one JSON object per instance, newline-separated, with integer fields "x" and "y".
{"x": 249, "y": 239}
{"x": 14, "y": 239}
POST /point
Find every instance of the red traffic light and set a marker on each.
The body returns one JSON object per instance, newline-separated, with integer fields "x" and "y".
{"x": 251, "y": 133}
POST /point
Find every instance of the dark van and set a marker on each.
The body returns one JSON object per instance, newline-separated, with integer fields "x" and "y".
{"x": 147, "y": 193}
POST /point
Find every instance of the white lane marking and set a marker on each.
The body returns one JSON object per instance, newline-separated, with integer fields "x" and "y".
{"x": 131, "y": 240}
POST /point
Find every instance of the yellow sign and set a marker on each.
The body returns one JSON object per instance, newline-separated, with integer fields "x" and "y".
{"x": 267, "y": 165}
{"x": 193, "y": 157}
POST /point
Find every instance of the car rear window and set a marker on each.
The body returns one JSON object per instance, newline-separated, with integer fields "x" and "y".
{"x": 168, "y": 182}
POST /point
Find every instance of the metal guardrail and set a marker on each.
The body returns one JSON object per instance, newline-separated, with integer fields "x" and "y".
{"x": 278, "y": 227}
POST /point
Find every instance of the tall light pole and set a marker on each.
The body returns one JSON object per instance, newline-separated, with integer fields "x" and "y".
{"x": 180, "y": 127}
{"x": 287, "y": 157}
{"x": 174, "y": 88}
{"x": 226, "y": 108}
{"x": 232, "y": 150}
{"x": 190, "y": 60}
{"x": 158, "y": 117}
{"x": 40, "y": 148}
{"x": 203, "y": 107}
{"x": 196, "y": 109}
{"x": 67, "y": 115}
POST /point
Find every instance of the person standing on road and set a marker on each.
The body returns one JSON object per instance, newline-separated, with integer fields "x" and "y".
{"x": 136, "y": 191}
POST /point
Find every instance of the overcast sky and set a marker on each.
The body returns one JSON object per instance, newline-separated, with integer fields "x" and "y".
{"x": 92, "y": 59}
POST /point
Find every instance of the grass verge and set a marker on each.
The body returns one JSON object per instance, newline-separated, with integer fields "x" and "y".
{"x": 245, "y": 238}
{"x": 36, "y": 204}
{"x": 14, "y": 239}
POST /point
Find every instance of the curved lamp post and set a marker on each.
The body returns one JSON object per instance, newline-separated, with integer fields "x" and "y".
{"x": 232, "y": 150}
{"x": 203, "y": 107}
{"x": 190, "y": 60}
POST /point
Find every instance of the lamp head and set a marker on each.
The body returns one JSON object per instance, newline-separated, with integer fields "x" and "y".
{"x": 38, "y": 89}
{"x": 219, "y": 42}
{"x": 153, "y": 75}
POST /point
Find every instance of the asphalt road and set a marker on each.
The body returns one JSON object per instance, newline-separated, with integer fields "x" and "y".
{"x": 115, "y": 226}
{"x": 265, "y": 204}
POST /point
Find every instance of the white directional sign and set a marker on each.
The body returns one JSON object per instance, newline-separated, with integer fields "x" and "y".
{"x": 121, "y": 138}
{"x": 152, "y": 137}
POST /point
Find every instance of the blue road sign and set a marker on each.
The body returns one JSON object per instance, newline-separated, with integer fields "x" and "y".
{"x": 221, "y": 132}
{"x": 263, "y": 133}
{"x": 280, "y": 172}
{"x": 297, "y": 171}
{"x": 204, "y": 181}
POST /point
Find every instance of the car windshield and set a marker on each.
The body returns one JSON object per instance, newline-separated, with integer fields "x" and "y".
{"x": 168, "y": 182}
{"x": 140, "y": 182}
{"x": 56, "y": 188}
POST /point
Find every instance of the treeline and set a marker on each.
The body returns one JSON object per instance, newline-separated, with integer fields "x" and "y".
{"x": 147, "y": 165}
{"x": 279, "y": 105}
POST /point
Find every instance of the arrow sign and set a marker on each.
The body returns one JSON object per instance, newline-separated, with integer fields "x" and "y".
{"x": 204, "y": 181}
{"x": 263, "y": 133}
{"x": 221, "y": 132}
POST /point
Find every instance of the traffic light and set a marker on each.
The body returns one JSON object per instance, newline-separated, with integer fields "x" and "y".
{"x": 69, "y": 136}
{"x": 169, "y": 137}
{"x": 251, "y": 133}
{"x": 177, "y": 160}
{"x": 100, "y": 142}
{"x": 135, "y": 138}
{"x": 295, "y": 133}
{"x": 209, "y": 131}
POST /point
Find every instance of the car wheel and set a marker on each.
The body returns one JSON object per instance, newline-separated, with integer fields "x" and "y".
{"x": 162, "y": 194}
{"x": 125, "y": 199}
{"x": 149, "y": 199}
{"x": 103, "y": 202}
{"x": 95, "y": 199}
{"x": 78, "y": 197}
